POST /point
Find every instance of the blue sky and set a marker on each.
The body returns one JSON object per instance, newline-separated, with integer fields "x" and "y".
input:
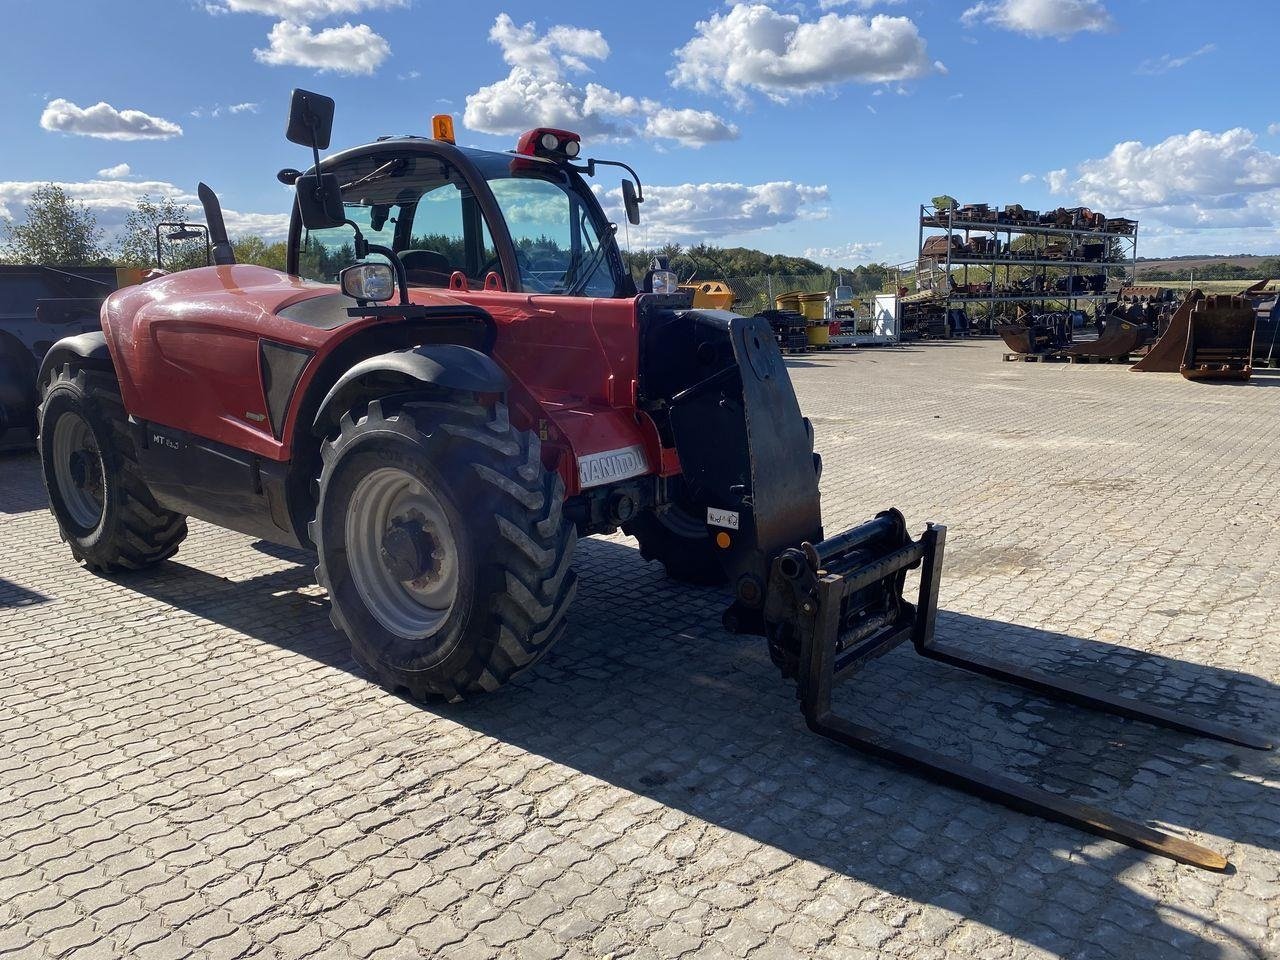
{"x": 812, "y": 127}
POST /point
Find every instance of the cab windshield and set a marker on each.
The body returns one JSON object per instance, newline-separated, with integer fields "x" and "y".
{"x": 423, "y": 209}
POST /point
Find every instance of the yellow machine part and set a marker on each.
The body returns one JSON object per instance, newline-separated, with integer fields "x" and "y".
{"x": 788, "y": 301}
{"x": 130, "y": 276}
{"x": 711, "y": 295}
{"x": 813, "y": 305}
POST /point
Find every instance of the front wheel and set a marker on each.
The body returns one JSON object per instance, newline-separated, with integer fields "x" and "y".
{"x": 678, "y": 538}
{"x": 443, "y": 546}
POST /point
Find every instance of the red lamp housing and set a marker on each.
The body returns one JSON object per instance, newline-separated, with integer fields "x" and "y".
{"x": 548, "y": 142}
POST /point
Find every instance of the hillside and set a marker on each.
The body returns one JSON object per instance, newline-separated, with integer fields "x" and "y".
{"x": 1235, "y": 267}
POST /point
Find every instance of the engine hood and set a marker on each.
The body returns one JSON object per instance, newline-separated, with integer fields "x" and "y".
{"x": 242, "y": 295}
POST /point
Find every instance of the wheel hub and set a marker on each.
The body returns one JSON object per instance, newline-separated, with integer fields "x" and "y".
{"x": 77, "y": 469}
{"x": 402, "y": 552}
{"x": 409, "y": 551}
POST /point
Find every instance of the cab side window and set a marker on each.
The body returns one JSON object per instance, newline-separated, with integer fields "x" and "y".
{"x": 447, "y": 234}
{"x": 418, "y": 206}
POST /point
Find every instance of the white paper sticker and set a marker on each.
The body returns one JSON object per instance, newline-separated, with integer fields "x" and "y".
{"x": 722, "y": 518}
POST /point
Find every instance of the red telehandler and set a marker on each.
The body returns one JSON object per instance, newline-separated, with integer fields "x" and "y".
{"x": 454, "y": 380}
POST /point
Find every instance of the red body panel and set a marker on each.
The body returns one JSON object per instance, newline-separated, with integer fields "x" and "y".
{"x": 186, "y": 349}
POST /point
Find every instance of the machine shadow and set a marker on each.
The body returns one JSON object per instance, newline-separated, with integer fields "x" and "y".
{"x": 13, "y": 595}
{"x": 646, "y": 691}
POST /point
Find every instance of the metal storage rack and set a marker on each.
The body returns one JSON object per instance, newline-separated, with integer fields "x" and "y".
{"x": 939, "y": 275}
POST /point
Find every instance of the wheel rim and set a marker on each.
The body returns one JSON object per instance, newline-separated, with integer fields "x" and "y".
{"x": 402, "y": 553}
{"x": 77, "y": 467}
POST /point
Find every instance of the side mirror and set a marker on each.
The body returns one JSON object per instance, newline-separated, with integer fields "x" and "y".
{"x": 310, "y": 120}
{"x": 368, "y": 282}
{"x": 631, "y": 202}
{"x": 320, "y": 201}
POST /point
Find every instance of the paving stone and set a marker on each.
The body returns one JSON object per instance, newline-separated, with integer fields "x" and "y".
{"x": 191, "y": 764}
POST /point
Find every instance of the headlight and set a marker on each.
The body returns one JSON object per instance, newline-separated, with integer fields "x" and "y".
{"x": 572, "y": 147}
{"x": 550, "y": 141}
{"x": 665, "y": 281}
{"x": 370, "y": 282}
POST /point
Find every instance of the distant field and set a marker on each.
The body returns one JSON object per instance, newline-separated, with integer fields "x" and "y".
{"x": 1208, "y": 286}
{"x": 1199, "y": 263}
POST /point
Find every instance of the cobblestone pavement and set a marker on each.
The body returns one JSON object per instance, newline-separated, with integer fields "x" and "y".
{"x": 191, "y": 764}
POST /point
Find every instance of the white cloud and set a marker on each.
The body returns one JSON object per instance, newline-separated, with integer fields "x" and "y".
{"x": 693, "y": 128}
{"x": 118, "y": 172}
{"x": 1167, "y": 61}
{"x": 301, "y": 10}
{"x": 690, "y": 212}
{"x": 1202, "y": 169}
{"x": 344, "y": 49}
{"x": 846, "y": 255}
{"x": 1189, "y": 182}
{"x": 561, "y": 46}
{"x": 537, "y": 93}
{"x": 1273, "y": 129}
{"x": 1041, "y": 18}
{"x": 105, "y": 122}
{"x": 754, "y": 47}
{"x": 243, "y": 108}
{"x": 1027, "y": 178}
{"x": 524, "y": 99}
{"x": 860, "y": 4}
{"x": 113, "y": 199}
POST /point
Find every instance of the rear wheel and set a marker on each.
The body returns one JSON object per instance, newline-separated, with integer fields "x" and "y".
{"x": 678, "y": 538}
{"x": 443, "y": 546}
{"x": 97, "y": 493}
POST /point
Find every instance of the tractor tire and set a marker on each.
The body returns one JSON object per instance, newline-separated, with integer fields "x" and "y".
{"x": 443, "y": 545}
{"x": 678, "y": 539}
{"x": 105, "y": 512}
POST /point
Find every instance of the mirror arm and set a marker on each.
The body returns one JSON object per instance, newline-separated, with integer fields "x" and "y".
{"x": 590, "y": 171}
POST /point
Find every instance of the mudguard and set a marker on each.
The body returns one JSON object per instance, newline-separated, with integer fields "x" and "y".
{"x": 450, "y": 367}
{"x": 89, "y": 349}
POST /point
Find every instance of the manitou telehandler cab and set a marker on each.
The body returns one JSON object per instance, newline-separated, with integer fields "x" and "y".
{"x": 453, "y": 381}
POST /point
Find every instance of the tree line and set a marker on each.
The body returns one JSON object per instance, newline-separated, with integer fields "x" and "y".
{"x": 57, "y": 230}
{"x": 708, "y": 262}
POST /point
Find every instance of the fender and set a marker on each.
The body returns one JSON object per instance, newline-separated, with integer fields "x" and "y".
{"x": 86, "y": 349}
{"x": 449, "y": 367}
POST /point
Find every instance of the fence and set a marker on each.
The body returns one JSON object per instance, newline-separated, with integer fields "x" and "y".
{"x": 757, "y": 293}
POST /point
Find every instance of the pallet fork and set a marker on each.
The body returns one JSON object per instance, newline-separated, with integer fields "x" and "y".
{"x": 839, "y": 604}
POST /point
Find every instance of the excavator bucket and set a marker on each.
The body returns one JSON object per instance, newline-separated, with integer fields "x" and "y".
{"x": 1016, "y": 336}
{"x": 1168, "y": 353}
{"x": 1031, "y": 338}
{"x": 1220, "y": 339}
{"x": 1120, "y": 337}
